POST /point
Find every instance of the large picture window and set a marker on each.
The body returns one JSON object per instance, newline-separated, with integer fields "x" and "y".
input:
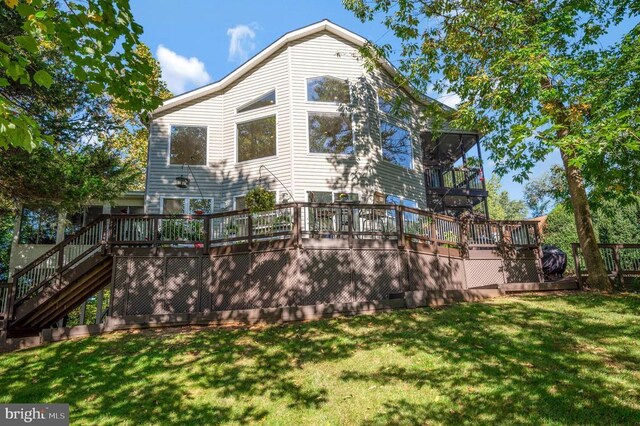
{"x": 330, "y": 133}
{"x": 328, "y": 89}
{"x": 188, "y": 145}
{"x": 257, "y": 138}
{"x": 396, "y": 145}
{"x": 38, "y": 226}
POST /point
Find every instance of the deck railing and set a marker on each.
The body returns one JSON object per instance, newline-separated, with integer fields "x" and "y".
{"x": 292, "y": 222}
{"x": 622, "y": 261}
{"x": 457, "y": 178}
{"x": 4, "y": 299}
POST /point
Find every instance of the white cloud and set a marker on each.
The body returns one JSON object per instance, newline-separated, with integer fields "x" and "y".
{"x": 181, "y": 72}
{"x": 241, "y": 41}
{"x": 450, "y": 99}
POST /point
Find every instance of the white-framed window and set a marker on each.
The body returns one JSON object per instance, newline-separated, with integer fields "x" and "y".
{"x": 256, "y": 138}
{"x": 330, "y": 133}
{"x": 385, "y": 101}
{"x": 187, "y": 205}
{"x": 263, "y": 101}
{"x": 396, "y": 145}
{"x": 400, "y": 201}
{"x": 328, "y": 89}
{"x": 187, "y": 145}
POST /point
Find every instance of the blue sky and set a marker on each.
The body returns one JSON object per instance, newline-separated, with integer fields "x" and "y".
{"x": 200, "y": 41}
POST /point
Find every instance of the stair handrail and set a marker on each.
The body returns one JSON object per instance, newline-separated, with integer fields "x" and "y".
{"x": 61, "y": 266}
{"x": 57, "y": 247}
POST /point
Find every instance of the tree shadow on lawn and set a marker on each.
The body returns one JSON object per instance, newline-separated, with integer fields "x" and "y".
{"x": 521, "y": 361}
{"x": 524, "y": 362}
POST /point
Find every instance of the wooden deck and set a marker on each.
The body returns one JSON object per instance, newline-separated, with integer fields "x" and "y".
{"x": 299, "y": 257}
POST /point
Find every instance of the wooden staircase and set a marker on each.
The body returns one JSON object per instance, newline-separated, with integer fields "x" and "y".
{"x": 58, "y": 282}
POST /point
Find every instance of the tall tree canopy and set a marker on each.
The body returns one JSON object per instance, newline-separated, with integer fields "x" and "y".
{"x": 533, "y": 77}
{"x": 131, "y": 133}
{"x": 501, "y": 206}
{"x": 97, "y": 42}
{"x": 542, "y": 193}
{"x": 95, "y": 147}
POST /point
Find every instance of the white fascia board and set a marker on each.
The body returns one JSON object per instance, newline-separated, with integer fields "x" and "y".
{"x": 324, "y": 25}
{"x": 257, "y": 59}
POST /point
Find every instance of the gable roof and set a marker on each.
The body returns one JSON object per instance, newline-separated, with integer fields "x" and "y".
{"x": 324, "y": 25}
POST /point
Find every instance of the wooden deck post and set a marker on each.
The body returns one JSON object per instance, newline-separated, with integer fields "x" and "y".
{"x": 207, "y": 234}
{"x": 616, "y": 265}
{"x": 99, "y": 305}
{"x": 400, "y": 228}
{"x": 250, "y": 231}
{"x": 576, "y": 262}
{"x": 297, "y": 225}
{"x": 155, "y": 226}
{"x": 433, "y": 230}
{"x": 350, "y": 226}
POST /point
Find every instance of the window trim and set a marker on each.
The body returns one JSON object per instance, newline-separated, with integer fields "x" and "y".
{"x": 206, "y": 163}
{"x": 412, "y": 155}
{"x": 235, "y": 137}
{"x": 380, "y": 111}
{"x": 275, "y": 94}
{"x": 324, "y": 154}
{"x": 402, "y": 198}
{"x": 186, "y": 203}
{"x": 309, "y": 101}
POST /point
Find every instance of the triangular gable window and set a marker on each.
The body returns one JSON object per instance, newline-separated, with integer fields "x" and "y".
{"x": 265, "y": 100}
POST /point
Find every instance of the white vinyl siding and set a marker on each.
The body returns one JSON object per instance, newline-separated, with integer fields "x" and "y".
{"x": 287, "y": 72}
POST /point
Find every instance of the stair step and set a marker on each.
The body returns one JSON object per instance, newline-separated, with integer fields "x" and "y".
{"x": 45, "y": 310}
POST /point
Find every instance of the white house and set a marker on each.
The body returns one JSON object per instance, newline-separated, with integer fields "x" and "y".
{"x": 307, "y": 119}
{"x": 304, "y": 117}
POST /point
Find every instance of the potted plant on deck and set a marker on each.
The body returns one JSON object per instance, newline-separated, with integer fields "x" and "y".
{"x": 259, "y": 200}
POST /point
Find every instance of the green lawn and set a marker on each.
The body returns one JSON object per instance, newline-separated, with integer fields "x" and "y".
{"x": 560, "y": 359}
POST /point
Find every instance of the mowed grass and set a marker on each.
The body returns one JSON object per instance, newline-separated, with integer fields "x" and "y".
{"x": 555, "y": 359}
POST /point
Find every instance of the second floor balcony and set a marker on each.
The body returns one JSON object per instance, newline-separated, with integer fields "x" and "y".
{"x": 462, "y": 178}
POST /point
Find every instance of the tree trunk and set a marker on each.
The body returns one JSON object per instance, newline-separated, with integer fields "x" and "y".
{"x": 597, "y": 278}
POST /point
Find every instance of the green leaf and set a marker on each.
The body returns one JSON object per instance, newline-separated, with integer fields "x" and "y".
{"x": 29, "y": 43}
{"x": 43, "y": 78}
